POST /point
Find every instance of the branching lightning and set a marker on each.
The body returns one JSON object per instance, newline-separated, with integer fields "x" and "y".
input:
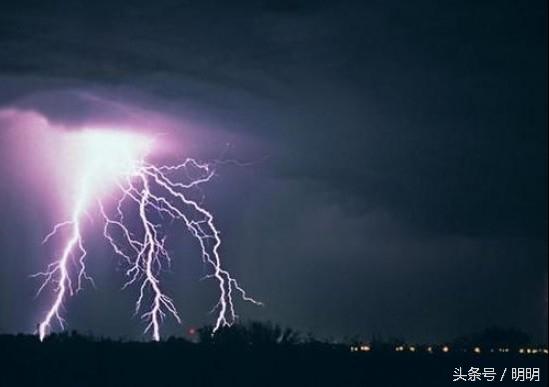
{"x": 154, "y": 193}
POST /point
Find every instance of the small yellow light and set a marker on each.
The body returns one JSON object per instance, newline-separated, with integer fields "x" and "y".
{"x": 365, "y": 348}
{"x": 445, "y": 349}
{"x": 476, "y": 350}
{"x": 430, "y": 349}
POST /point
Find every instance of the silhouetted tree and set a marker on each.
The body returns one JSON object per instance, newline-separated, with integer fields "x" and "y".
{"x": 250, "y": 334}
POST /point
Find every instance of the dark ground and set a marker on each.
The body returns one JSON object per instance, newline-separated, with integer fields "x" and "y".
{"x": 77, "y": 361}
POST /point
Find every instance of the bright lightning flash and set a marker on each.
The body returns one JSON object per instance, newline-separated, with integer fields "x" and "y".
{"x": 116, "y": 162}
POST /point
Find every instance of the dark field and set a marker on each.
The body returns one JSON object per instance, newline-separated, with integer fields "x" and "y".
{"x": 76, "y": 361}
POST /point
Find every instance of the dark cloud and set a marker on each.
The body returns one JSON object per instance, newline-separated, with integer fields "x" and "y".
{"x": 407, "y": 143}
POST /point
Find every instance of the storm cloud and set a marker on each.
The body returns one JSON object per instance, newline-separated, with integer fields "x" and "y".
{"x": 399, "y": 183}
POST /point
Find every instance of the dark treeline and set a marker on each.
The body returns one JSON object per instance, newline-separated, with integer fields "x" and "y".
{"x": 254, "y": 354}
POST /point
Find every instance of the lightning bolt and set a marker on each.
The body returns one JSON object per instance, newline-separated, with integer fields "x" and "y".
{"x": 154, "y": 194}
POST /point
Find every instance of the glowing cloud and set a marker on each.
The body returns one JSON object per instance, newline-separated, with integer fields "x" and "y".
{"x": 94, "y": 160}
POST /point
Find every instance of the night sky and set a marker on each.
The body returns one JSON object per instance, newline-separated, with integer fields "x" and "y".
{"x": 398, "y": 183}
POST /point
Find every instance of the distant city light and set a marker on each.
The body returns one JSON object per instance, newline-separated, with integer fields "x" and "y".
{"x": 446, "y": 349}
